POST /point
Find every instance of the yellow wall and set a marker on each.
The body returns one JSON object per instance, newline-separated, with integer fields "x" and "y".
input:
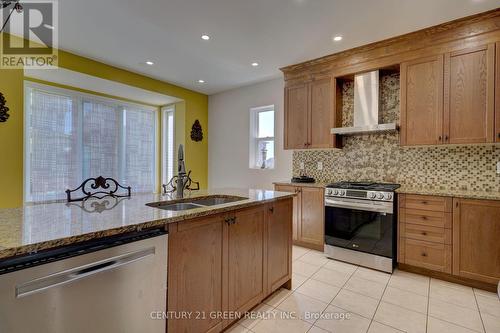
{"x": 195, "y": 106}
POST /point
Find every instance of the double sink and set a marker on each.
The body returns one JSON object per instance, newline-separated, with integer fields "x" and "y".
{"x": 193, "y": 203}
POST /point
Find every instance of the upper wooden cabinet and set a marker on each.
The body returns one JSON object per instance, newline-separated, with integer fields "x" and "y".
{"x": 469, "y": 95}
{"x": 422, "y": 101}
{"x": 309, "y": 114}
{"x": 296, "y": 116}
{"x": 450, "y": 98}
{"x": 497, "y": 94}
{"x": 476, "y": 249}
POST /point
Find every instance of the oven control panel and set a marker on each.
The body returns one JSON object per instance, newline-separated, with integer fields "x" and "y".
{"x": 359, "y": 194}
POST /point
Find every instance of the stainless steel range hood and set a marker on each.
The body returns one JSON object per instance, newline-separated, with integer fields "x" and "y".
{"x": 366, "y": 102}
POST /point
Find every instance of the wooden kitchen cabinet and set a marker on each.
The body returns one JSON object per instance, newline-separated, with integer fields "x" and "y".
{"x": 497, "y": 94}
{"x": 476, "y": 249}
{"x": 245, "y": 259}
{"x": 227, "y": 262}
{"x": 279, "y": 244}
{"x": 422, "y": 101}
{"x": 297, "y": 116}
{"x": 469, "y": 95}
{"x": 450, "y": 98}
{"x": 309, "y": 215}
{"x": 195, "y": 251}
{"x": 310, "y": 113}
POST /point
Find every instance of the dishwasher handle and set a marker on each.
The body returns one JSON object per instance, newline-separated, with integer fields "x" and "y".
{"x": 77, "y": 273}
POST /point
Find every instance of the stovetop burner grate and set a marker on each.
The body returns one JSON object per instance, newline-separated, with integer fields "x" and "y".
{"x": 368, "y": 186}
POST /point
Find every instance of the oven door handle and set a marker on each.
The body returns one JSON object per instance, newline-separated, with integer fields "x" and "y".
{"x": 358, "y": 206}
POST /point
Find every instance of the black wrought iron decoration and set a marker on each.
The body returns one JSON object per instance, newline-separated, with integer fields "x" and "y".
{"x": 196, "y": 131}
{"x": 171, "y": 186}
{"x": 3, "y": 109}
{"x": 103, "y": 187}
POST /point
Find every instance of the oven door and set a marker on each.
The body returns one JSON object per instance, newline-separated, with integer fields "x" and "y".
{"x": 360, "y": 225}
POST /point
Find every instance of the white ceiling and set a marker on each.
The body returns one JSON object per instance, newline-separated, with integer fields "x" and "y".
{"x": 274, "y": 33}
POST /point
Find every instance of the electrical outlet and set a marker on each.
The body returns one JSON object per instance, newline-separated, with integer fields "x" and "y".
{"x": 498, "y": 167}
{"x": 301, "y": 165}
{"x": 320, "y": 165}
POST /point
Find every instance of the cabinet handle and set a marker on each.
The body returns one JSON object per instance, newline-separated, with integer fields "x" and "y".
{"x": 440, "y": 138}
{"x": 446, "y": 138}
{"x": 424, "y": 202}
{"x": 271, "y": 209}
{"x": 424, "y": 218}
{"x": 424, "y": 233}
{"x": 499, "y": 135}
{"x": 424, "y": 254}
{"x": 233, "y": 220}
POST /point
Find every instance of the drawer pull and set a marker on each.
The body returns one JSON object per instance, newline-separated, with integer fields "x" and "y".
{"x": 424, "y": 202}
{"x": 424, "y": 233}
{"x": 424, "y": 254}
{"x": 424, "y": 218}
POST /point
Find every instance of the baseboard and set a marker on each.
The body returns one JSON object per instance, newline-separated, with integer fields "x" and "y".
{"x": 309, "y": 245}
{"x": 448, "y": 277}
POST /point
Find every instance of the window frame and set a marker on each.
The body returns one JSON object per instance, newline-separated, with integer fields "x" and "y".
{"x": 78, "y": 99}
{"x": 254, "y": 136}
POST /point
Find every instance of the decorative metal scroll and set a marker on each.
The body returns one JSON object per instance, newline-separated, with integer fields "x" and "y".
{"x": 3, "y": 109}
{"x": 98, "y": 206}
{"x": 171, "y": 186}
{"x": 99, "y": 188}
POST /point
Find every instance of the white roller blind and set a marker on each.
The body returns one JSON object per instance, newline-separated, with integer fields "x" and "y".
{"x": 72, "y": 136}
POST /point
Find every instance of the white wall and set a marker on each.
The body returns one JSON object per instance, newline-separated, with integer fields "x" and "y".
{"x": 228, "y": 141}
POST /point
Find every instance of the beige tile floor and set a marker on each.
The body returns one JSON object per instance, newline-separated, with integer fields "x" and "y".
{"x": 332, "y": 296}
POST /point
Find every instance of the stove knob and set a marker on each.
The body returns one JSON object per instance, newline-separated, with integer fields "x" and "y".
{"x": 342, "y": 192}
{"x": 335, "y": 192}
{"x": 328, "y": 191}
{"x": 380, "y": 196}
{"x": 372, "y": 195}
{"x": 388, "y": 196}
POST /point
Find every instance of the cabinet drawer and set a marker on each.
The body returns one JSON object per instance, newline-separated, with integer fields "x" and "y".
{"x": 426, "y": 217}
{"x": 426, "y": 202}
{"x": 433, "y": 256}
{"x": 426, "y": 233}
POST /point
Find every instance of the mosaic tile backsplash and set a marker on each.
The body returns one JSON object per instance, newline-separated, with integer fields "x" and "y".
{"x": 378, "y": 157}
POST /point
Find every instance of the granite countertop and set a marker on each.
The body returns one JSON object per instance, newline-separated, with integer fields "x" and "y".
{"x": 467, "y": 194}
{"x": 289, "y": 183}
{"x": 36, "y": 227}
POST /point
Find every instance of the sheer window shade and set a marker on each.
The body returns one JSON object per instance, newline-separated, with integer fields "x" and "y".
{"x": 72, "y": 136}
{"x": 168, "y": 143}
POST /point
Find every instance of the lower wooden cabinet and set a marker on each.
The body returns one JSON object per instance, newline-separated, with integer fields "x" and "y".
{"x": 309, "y": 215}
{"x": 451, "y": 235}
{"x": 279, "y": 244}
{"x": 227, "y": 263}
{"x": 245, "y": 259}
{"x": 476, "y": 245}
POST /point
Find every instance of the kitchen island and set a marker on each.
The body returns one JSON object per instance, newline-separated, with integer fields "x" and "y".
{"x": 223, "y": 258}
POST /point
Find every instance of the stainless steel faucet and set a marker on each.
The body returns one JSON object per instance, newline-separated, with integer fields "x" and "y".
{"x": 182, "y": 177}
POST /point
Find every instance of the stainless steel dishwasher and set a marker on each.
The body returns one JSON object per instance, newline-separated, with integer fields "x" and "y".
{"x": 112, "y": 285}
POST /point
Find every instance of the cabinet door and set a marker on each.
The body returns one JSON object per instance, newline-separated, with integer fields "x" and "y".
{"x": 497, "y": 94}
{"x": 422, "y": 101}
{"x": 296, "y": 208}
{"x": 313, "y": 216}
{"x": 469, "y": 95}
{"x": 321, "y": 113}
{"x": 296, "y": 116}
{"x": 245, "y": 259}
{"x": 476, "y": 249}
{"x": 279, "y": 243}
{"x": 195, "y": 285}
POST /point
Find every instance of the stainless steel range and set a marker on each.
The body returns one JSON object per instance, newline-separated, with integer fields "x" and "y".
{"x": 361, "y": 222}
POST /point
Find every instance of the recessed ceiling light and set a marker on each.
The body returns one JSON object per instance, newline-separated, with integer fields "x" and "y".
{"x": 337, "y": 38}
{"x": 201, "y": 81}
{"x": 205, "y": 37}
{"x": 150, "y": 63}
{"x": 255, "y": 64}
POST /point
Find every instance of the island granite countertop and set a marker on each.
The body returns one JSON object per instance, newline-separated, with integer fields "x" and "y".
{"x": 43, "y": 226}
